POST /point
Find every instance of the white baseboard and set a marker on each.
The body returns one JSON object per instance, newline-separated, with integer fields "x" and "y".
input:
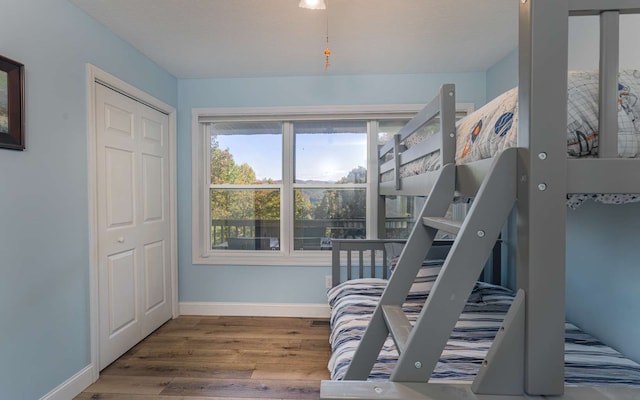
{"x": 72, "y": 386}
{"x": 255, "y": 309}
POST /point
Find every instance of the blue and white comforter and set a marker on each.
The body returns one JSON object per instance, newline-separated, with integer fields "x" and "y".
{"x": 587, "y": 361}
{"x": 493, "y": 128}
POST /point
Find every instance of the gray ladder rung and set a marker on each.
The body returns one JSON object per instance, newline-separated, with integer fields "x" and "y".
{"x": 398, "y": 324}
{"x": 443, "y": 224}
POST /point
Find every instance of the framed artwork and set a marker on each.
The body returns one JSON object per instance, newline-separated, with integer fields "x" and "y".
{"x": 11, "y": 104}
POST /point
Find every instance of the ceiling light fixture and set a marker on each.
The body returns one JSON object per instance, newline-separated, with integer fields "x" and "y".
{"x": 312, "y": 4}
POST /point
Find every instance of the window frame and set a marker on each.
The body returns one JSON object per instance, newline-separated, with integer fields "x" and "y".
{"x": 286, "y": 256}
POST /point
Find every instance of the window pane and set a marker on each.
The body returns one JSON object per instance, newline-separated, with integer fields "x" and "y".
{"x": 245, "y": 219}
{"x": 388, "y": 128}
{"x": 325, "y": 214}
{"x": 401, "y": 213}
{"x": 330, "y": 152}
{"x": 245, "y": 152}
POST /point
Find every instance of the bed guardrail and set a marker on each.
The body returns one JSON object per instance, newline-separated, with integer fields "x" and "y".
{"x": 368, "y": 258}
{"x": 394, "y": 154}
{"x": 376, "y": 263}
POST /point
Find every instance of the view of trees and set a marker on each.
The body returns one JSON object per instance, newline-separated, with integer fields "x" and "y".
{"x": 344, "y": 204}
{"x": 245, "y": 203}
{"x": 264, "y": 205}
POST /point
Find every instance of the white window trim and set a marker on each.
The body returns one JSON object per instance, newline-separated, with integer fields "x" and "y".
{"x": 285, "y": 257}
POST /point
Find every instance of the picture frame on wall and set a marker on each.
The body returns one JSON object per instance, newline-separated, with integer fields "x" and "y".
{"x": 11, "y": 104}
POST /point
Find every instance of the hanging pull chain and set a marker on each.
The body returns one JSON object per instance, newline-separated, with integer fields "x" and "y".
{"x": 327, "y": 51}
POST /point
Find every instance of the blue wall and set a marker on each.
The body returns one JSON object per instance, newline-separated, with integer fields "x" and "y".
{"x": 503, "y": 75}
{"x": 603, "y": 278}
{"x": 583, "y": 39}
{"x": 603, "y": 275}
{"x": 261, "y": 284}
{"x": 44, "y": 260}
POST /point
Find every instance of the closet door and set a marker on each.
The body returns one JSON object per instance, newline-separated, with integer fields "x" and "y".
{"x": 133, "y": 221}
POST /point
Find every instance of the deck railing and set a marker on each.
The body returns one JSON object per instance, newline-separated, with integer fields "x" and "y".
{"x": 317, "y": 234}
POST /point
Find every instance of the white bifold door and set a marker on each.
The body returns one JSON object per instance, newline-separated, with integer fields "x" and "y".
{"x": 134, "y": 243}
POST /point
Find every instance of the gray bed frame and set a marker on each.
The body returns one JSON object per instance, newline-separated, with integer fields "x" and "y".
{"x": 526, "y": 360}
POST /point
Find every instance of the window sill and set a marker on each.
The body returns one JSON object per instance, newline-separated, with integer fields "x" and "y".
{"x": 265, "y": 258}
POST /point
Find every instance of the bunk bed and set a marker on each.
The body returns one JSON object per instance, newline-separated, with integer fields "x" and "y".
{"x": 525, "y": 355}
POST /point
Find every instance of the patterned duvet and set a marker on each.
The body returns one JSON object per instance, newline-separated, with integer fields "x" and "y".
{"x": 587, "y": 361}
{"x": 493, "y": 127}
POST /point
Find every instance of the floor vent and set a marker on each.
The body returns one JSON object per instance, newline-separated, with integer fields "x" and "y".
{"x": 320, "y": 323}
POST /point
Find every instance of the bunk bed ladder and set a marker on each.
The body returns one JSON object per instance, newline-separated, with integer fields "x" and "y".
{"x": 420, "y": 345}
{"x": 414, "y": 252}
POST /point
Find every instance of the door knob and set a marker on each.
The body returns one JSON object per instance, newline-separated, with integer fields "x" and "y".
{"x": 121, "y": 239}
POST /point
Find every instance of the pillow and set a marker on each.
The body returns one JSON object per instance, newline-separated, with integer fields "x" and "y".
{"x": 425, "y": 277}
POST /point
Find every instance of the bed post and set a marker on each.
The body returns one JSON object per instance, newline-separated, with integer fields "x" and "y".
{"x": 543, "y": 42}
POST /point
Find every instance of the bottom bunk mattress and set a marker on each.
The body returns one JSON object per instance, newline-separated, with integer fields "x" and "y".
{"x": 587, "y": 360}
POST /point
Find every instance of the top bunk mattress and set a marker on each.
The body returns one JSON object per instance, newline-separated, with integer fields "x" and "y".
{"x": 494, "y": 127}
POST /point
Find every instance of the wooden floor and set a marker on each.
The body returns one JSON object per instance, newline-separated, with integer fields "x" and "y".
{"x": 198, "y": 358}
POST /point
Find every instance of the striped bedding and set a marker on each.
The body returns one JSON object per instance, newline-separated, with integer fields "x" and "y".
{"x": 587, "y": 361}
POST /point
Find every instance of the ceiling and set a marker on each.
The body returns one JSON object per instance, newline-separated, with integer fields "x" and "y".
{"x": 266, "y": 38}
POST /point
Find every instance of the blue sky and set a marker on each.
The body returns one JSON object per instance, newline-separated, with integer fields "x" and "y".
{"x": 322, "y": 157}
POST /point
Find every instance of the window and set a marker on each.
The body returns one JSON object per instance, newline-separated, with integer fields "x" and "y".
{"x": 275, "y": 187}
{"x": 245, "y": 164}
{"x": 329, "y": 182}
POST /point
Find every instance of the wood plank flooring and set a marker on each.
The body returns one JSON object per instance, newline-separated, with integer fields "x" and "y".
{"x": 198, "y": 358}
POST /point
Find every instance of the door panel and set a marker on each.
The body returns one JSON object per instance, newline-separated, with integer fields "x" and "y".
{"x": 153, "y": 130}
{"x": 118, "y": 120}
{"x": 119, "y": 168}
{"x": 152, "y": 181}
{"x": 134, "y": 276}
{"x": 122, "y": 291}
{"x": 153, "y": 266}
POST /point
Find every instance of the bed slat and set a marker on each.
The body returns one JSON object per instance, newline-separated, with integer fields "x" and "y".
{"x": 427, "y": 146}
{"x": 588, "y": 175}
{"x": 595, "y": 7}
{"x": 396, "y": 160}
{"x": 416, "y": 185}
{"x": 373, "y": 263}
{"x": 609, "y": 56}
